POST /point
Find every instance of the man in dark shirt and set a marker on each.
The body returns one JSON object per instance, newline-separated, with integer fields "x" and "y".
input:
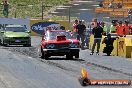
{"x": 81, "y": 33}
{"x": 97, "y": 32}
{"x": 109, "y": 44}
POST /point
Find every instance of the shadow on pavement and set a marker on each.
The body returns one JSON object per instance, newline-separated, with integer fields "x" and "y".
{"x": 59, "y": 58}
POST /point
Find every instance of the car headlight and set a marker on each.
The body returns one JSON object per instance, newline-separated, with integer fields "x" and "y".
{"x": 73, "y": 45}
{"x": 50, "y": 46}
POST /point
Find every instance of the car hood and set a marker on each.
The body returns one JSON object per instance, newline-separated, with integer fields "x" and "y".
{"x": 15, "y": 34}
{"x": 62, "y": 41}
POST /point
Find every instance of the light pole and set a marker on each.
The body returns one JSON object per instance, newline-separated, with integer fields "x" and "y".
{"x": 69, "y": 18}
{"x": 42, "y": 10}
{"x": 43, "y": 7}
{"x": 15, "y": 8}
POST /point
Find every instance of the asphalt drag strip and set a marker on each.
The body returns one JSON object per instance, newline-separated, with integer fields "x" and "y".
{"x": 61, "y": 62}
{"x": 71, "y": 67}
{"x": 33, "y": 52}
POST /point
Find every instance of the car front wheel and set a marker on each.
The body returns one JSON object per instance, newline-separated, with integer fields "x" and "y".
{"x": 43, "y": 55}
{"x": 4, "y": 43}
{"x": 77, "y": 55}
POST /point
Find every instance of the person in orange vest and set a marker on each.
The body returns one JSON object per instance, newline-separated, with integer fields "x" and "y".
{"x": 120, "y": 29}
{"x": 75, "y": 29}
{"x": 127, "y": 28}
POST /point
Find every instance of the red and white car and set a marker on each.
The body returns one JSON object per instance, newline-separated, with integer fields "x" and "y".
{"x": 59, "y": 43}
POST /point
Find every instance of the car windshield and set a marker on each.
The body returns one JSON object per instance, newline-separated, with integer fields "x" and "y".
{"x": 52, "y": 35}
{"x": 15, "y": 29}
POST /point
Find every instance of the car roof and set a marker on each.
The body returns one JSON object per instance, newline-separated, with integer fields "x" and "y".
{"x": 14, "y": 26}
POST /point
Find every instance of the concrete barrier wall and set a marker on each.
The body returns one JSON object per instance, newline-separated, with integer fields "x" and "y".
{"x": 115, "y": 50}
{"x": 125, "y": 46}
{"x": 131, "y": 55}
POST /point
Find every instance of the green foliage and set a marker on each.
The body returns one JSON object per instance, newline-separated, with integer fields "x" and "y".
{"x": 30, "y": 8}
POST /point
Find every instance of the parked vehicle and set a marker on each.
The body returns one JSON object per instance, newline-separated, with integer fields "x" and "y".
{"x": 15, "y": 35}
{"x": 59, "y": 43}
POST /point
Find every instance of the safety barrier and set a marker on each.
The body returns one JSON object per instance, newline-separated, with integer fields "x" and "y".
{"x": 131, "y": 54}
{"x": 122, "y": 46}
{"x": 125, "y": 46}
{"x": 92, "y": 41}
{"x": 115, "y": 50}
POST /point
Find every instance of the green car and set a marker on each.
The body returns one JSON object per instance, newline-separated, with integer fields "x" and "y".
{"x": 15, "y": 35}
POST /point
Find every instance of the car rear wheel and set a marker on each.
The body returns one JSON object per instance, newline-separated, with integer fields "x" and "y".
{"x": 77, "y": 55}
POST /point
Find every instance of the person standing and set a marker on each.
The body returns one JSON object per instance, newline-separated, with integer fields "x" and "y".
{"x": 75, "y": 29}
{"x": 120, "y": 29}
{"x": 105, "y": 29}
{"x": 113, "y": 27}
{"x": 97, "y": 32}
{"x": 81, "y": 33}
{"x": 5, "y": 8}
{"x": 127, "y": 28}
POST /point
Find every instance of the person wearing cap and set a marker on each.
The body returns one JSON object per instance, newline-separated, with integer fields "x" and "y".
{"x": 120, "y": 29}
{"x": 113, "y": 27}
{"x": 127, "y": 28}
{"x": 81, "y": 33}
{"x": 97, "y": 32}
